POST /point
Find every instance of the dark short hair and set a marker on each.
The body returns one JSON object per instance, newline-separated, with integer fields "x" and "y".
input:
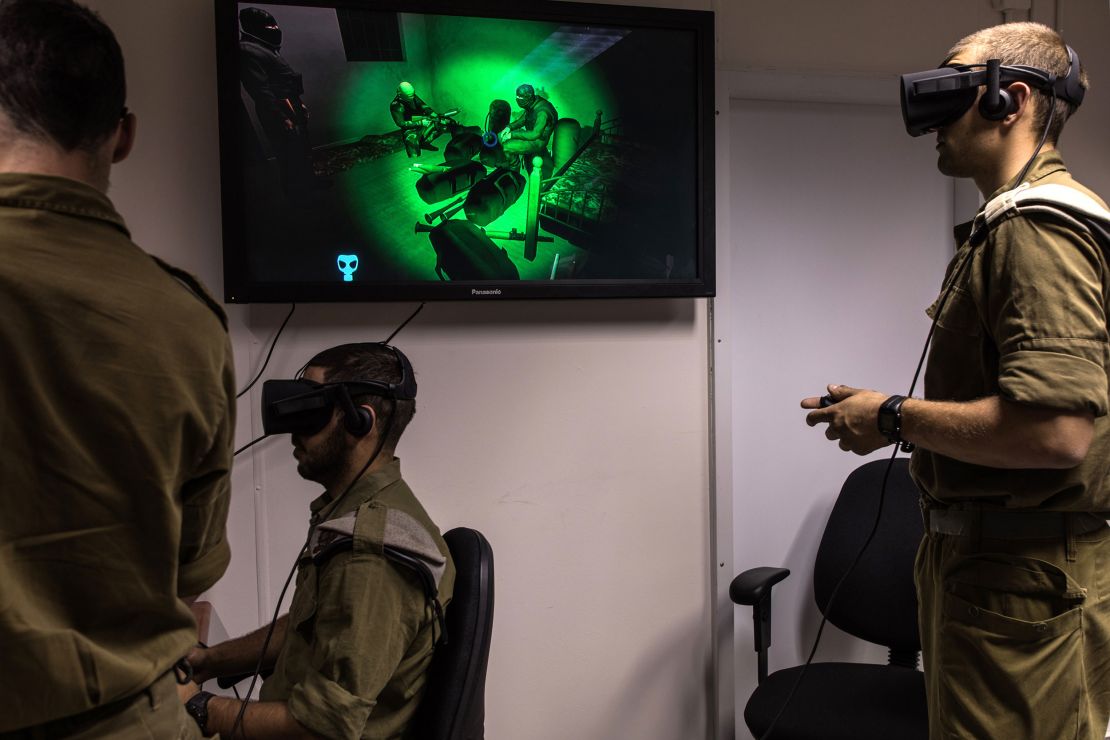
{"x": 1034, "y": 45}
{"x": 375, "y": 362}
{"x": 61, "y": 72}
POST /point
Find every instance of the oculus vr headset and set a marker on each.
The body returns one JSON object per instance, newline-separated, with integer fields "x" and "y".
{"x": 938, "y": 97}
{"x": 305, "y": 407}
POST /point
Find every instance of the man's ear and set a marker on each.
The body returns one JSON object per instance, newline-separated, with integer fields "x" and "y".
{"x": 125, "y": 137}
{"x": 1022, "y": 95}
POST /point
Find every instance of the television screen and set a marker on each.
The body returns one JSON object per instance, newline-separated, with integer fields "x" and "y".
{"x": 391, "y": 150}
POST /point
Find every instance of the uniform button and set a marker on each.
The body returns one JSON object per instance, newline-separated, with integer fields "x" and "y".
{"x": 1041, "y": 627}
{"x": 973, "y": 611}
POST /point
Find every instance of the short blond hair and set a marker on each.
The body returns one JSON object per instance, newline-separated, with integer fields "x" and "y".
{"x": 1033, "y": 45}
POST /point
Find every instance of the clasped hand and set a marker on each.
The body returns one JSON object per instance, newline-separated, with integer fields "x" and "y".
{"x": 852, "y": 418}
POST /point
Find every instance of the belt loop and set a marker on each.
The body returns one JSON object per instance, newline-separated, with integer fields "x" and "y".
{"x": 1072, "y": 546}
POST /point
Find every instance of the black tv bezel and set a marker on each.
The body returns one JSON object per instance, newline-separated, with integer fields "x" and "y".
{"x": 238, "y": 288}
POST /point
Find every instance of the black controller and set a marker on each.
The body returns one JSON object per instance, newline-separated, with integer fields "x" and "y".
{"x": 827, "y": 401}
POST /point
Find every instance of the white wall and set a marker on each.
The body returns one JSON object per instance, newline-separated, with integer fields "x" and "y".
{"x": 837, "y": 251}
{"x": 573, "y": 434}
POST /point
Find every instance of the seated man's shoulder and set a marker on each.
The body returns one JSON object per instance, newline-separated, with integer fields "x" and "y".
{"x": 395, "y": 527}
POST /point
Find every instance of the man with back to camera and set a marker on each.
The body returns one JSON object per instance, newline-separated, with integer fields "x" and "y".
{"x": 350, "y": 658}
{"x": 117, "y": 393}
{"x": 1013, "y": 440}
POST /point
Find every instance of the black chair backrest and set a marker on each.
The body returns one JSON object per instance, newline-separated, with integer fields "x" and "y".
{"x": 878, "y": 602}
{"x": 454, "y": 705}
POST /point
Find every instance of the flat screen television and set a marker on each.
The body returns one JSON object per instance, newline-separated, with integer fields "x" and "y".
{"x": 464, "y": 150}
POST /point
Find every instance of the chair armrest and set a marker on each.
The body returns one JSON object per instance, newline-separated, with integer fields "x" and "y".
{"x": 753, "y": 588}
{"x": 752, "y": 585}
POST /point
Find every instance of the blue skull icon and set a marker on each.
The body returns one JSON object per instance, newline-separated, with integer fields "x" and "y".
{"x": 348, "y": 263}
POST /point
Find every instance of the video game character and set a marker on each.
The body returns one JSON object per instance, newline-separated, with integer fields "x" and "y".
{"x": 415, "y": 118}
{"x": 276, "y": 89}
{"x": 528, "y": 134}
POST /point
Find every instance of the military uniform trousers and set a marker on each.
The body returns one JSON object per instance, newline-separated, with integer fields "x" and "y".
{"x": 156, "y": 713}
{"x": 1015, "y": 624}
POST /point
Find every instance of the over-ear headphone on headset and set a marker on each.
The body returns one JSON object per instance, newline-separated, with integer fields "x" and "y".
{"x": 937, "y": 97}
{"x": 357, "y": 419}
{"x": 998, "y": 103}
{"x": 305, "y": 407}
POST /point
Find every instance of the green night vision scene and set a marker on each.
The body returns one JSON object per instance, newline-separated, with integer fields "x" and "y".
{"x": 494, "y": 150}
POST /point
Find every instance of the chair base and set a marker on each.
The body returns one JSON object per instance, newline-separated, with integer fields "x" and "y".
{"x": 842, "y": 701}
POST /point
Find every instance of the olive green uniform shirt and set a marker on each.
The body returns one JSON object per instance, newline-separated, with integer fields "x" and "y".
{"x": 116, "y": 421}
{"x": 1027, "y": 321}
{"x": 361, "y": 630}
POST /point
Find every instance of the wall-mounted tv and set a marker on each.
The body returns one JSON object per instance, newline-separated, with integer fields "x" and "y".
{"x": 464, "y": 149}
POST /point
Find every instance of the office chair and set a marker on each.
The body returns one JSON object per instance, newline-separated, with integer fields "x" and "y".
{"x": 878, "y": 603}
{"x": 453, "y": 707}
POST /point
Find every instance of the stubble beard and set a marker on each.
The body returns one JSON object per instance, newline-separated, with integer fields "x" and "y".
{"x": 327, "y": 462}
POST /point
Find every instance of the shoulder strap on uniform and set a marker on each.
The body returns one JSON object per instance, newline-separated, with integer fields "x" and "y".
{"x": 407, "y": 539}
{"x": 401, "y": 538}
{"x": 195, "y": 287}
{"x": 1078, "y": 209}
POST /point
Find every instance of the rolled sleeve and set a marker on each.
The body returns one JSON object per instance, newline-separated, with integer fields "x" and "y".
{"x": 1054, "y": 379}
{"x": 366, "y": 615}
{"x": 1047, "y": 315}
{"x": 327, "y": 709}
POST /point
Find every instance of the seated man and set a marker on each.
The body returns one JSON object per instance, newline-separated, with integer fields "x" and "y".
{"x": 415, "y": 118}
{"x": 528, "y": 134}
{"x": 350, "y": 658}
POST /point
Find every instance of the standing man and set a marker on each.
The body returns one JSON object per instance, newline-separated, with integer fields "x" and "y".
{"x": 276, "y": 89}
{"x": 1012, "y": 438}
{"x": 116, "y": 407}
{"x": 350, "y": 658}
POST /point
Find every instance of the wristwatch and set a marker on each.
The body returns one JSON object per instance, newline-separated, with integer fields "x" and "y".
{"x": 890, "y": 422}
{"x": 197, "y": 707}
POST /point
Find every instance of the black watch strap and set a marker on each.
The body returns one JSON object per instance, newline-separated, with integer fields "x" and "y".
{"x": 890, "y": 422}
{"x": 197, "y": 708}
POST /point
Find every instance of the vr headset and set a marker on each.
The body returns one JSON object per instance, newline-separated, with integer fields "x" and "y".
{"x": 938, "y": 97}
{"x": 305, "y": 407}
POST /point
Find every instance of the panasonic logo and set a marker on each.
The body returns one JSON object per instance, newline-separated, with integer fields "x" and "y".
{"x": 475, "y": 291}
